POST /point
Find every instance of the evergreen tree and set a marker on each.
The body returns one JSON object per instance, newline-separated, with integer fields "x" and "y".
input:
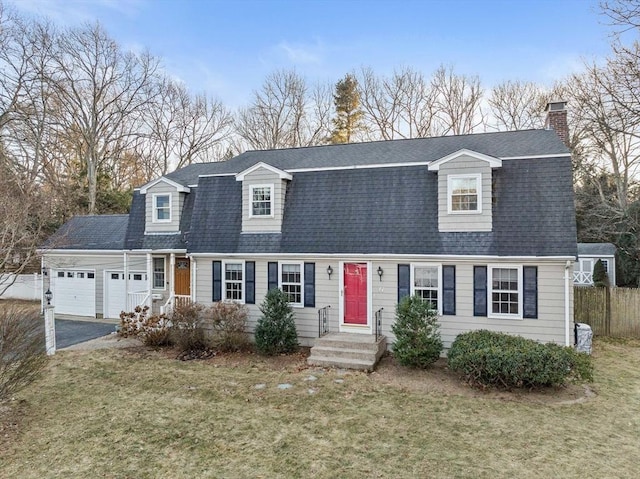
{"x": 348, "y": 120}
{"x": 600, "y": 277}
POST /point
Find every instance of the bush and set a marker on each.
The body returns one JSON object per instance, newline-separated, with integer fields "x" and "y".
{"x": 22, "y": 349}
{"x": 153, "y": 330}
{"x": 488, "y": 359}
{"x": 229, "y": 322}
{"x": 600, "y": 277}
{"x": 418, "y": 342}
{"x": 188, "y": 331}
{"x": 276, "y": 330}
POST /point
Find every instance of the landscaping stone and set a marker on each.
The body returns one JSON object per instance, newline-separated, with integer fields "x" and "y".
{"x": 285, "y": 386}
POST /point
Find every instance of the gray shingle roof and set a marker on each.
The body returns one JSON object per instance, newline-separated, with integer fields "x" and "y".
{"x": 390, "y": 210}
{"x": 92, "y": 232}
{"x": 596, "y": 249}
{"x": 498, "y": 144}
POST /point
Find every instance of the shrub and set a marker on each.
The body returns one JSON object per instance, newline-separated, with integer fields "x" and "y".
{"x": 489, "y": 359}
{"x": 188, "y": 331}
{"x": 153, "y": 330}
{"x": 418, "y": 342}
{"x": 276, "y": 330}
{"x": 22, "y": 352}
{"x": 600, "y": 277}
{"x": 229, "y": 322}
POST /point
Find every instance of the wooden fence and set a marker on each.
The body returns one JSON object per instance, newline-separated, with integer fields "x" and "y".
{"x": 611, "y": 312}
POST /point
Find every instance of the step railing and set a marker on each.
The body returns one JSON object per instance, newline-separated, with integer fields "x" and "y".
{"x": 378, "y": 323}
{"x": 138, "y": 298}
{"x": 323, "y": 321}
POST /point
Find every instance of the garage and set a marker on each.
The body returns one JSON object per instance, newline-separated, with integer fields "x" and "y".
{"x": 114, "y": 290}
{"x": 74, "y": 292}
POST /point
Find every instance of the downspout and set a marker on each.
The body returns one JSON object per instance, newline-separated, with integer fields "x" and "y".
{"x": 567, "y": 310}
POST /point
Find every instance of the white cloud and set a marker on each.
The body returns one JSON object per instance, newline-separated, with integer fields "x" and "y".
{"x": 71, "y": 12}
{"x": 302, "y": 54}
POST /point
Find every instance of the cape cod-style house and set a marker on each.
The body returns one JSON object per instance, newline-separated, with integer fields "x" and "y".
{"x": 481, "y": 225}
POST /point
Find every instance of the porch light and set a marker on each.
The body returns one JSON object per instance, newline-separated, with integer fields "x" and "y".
{"x": 380, "y": 272}
{"x": 329, "y": 271}
{"x": 48, "y": 296}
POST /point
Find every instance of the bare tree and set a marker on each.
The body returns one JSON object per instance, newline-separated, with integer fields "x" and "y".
{"x": 517, "y": 105}
{"x": 402, "y": 106}
{"x": 99, "y": 91}
{"x": 623, "y": 14}
{"x": 180, "y": 129}
{"x": 458, "y": 102}
{"x": 283, "y": 114}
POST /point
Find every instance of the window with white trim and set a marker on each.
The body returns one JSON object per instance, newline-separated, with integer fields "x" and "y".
{"x": 426, "y": 283}
{"x": 261, "y": 200}
{"x": 505, "y": 291}
{"x": 159, "y": 273}
{"x": 291, "y": 281}
{"x": 162, "y": 208}
{"x": 464, "y": 193}
{"x": 233, "y": 281}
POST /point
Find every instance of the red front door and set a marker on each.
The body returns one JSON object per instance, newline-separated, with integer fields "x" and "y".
{"x": 355, "y": 293}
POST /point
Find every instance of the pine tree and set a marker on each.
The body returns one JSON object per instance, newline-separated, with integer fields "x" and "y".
{"x": 600, "y": 276}
{"x": 348, "y": 120}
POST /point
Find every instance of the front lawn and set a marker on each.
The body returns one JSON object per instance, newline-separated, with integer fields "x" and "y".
{"x": 141, "y": 414}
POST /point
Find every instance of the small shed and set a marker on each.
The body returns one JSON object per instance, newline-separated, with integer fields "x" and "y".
{"x": 588, "y": 255}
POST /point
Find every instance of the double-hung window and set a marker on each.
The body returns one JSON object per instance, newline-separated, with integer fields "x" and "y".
{"x": 505, "y": 291}
{"x": 158, "y": 273}
{"x": 162, "y": 208}
{"x": 233, "y": 280}
{"x": 291, "y": 281}
{"x": 261, "y": 200}
{"x": 426, "y": 283}
{"x": 465, "y": 193}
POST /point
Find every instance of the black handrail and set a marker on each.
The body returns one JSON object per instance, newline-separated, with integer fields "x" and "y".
{"x": 378, "y": 318}
{"x": 323, "y": 321}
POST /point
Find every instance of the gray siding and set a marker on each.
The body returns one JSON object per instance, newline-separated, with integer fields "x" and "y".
{"x": 263, "y": 176}
{"x": 464, "y": 165}
{"x": 549, "y": 327}
{"x": 177, "y": 200}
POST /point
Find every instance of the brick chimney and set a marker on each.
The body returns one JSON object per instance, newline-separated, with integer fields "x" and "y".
{"x": 557, "y": 119}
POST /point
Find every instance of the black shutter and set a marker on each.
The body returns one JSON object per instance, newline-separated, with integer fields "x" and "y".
{"x": 449, "y": 290}
{"x": 310, "y": 285}
{"x": 250, "y": 282}
{"x": 272, "y": 280}
{"x": 530, "y": 292}
{"x": 404, "y": 281}
{"x": 217, "y": 280}
{"x": 479, "y": 290}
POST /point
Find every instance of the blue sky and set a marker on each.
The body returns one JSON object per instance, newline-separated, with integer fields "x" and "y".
{"x": 228, "y": 47}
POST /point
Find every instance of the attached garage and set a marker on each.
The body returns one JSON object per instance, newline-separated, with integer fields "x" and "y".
{"x": 74, "y": 292}
{"x": 115, "y": 298}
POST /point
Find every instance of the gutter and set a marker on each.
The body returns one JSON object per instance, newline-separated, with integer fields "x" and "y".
{"x": 567, "y": 311}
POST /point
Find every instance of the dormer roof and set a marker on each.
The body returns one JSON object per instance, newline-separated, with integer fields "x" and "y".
{"x": 283, "y": 175}
{"x": 492, "y": 160}
{"x": 180, "y": 188}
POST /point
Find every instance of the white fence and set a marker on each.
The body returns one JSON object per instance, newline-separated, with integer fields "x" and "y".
{"x": 25, "y": 286}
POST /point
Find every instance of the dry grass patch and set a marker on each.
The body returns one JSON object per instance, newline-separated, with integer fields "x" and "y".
{"x": 140, "y": 414}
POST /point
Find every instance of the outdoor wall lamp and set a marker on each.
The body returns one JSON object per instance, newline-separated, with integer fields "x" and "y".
{"x": 380, "y": 272}
{"x": 329, "y": 271}
{"x": 48, "y": 296}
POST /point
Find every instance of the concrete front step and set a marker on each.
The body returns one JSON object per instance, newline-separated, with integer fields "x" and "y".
{"x": 347, "y": 350}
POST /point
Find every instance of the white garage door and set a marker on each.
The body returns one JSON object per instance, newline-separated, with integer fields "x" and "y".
{"x": 74, "y": 292}
{"x": 115, "y": 298}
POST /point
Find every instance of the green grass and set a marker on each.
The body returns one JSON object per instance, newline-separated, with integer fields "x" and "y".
{"x": 119, "y": 414}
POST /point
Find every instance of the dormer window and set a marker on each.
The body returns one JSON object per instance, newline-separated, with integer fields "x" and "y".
{"x": 465, "y": 193}
{"x": 162, "y": 208}
{"x": 261, "y": 201}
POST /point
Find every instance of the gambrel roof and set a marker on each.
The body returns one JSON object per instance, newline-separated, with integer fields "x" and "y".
{"x": 378, "y": 198}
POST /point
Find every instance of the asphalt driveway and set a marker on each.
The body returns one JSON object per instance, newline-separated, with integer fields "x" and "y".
{"x": 69, "y": 332}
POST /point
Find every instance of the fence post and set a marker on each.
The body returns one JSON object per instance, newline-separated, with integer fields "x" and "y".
{"x": 607, "y": 302}
{"x": 50, "y": 330}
